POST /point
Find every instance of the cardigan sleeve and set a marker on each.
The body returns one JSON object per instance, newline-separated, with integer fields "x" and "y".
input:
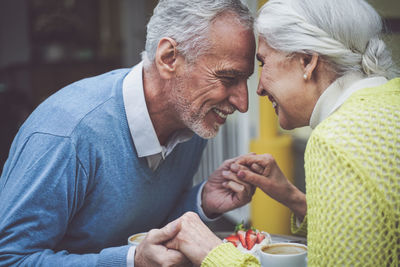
{"x": 296, "y": 229}
{"x": 227, "y": 255}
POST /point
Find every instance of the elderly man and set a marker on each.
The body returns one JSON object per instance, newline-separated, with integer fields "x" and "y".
{"x": 115, "y": 154}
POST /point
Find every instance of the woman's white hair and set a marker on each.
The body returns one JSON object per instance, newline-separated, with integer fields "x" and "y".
{"x": 346, "y": 33}
{"x": 187, "y": 22}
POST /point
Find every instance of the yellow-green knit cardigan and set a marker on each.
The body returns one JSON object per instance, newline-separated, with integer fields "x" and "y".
{"x": 352, "y": 165}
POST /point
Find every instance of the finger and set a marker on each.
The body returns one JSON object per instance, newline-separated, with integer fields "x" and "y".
{"x": 253, "y": 178}
{"x": 232, "y": 177}
{"x": 257, "y": 168}
{"x": 177, "y": 258}
{"x": 235, "y": 167}
{"x": 248, "y": 188}
{"x": 180, "y": 261}
{"x": 235, "y": 187}
{"x": 264, "y": 163}
{"x": 172, "y": 244}
{"x": 232, "y": 160}
{"x": 164, "y": 234}
{"x": 247, "y": 160}
{"x": 170, "y": 257}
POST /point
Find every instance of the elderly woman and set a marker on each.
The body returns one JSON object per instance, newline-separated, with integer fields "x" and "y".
{"x": 325, "y": 65}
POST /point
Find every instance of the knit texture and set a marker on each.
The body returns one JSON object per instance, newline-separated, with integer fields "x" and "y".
{"x": 74, "y": 189}
{"x": 300, "y": 230}
{"x": 227, "y": 255}
{"x": 352, "y": 166}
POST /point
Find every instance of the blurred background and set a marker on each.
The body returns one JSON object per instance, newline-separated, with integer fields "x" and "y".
{"x": 47, "y": 44}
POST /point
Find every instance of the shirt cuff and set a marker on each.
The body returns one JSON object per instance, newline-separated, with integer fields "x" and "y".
{"x": 202, "y": 215}
{"x": 130, "y": 258}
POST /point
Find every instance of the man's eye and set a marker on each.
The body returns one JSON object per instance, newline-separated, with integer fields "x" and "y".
{"x": 228, "y": 80}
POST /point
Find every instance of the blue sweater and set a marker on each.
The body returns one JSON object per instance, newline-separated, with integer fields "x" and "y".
{"x": 73, "y": 188}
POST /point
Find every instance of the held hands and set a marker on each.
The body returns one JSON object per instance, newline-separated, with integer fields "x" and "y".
{"x": 152, "y": 251}
{"x": 263, "y": 172}
{"x": 194, "y": 239}
{"x": 224, "y": 191}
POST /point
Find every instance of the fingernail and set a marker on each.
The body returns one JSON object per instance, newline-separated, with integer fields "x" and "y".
{"x": 225, "y": 173}
{"x": 234, "y": 167}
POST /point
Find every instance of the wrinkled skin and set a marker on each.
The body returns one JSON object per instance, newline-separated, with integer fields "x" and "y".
{"x": 152, "y": 251}
{"x": 224, "y": 191}
{"x": 194, "y": 239}
{"x": 263, "y": 171}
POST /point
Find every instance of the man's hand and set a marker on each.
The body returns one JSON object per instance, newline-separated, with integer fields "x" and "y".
{"x": 224, "y": 191}
{"x": 263, "y": 172}
{"x": 194, "y": 239}
{"x": 152, "y": 251}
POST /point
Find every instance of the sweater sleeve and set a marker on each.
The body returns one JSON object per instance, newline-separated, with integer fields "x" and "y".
{"x": 42, "y": 188}
{"x": 227, "y": 255}
{"x": 296, "y": 229}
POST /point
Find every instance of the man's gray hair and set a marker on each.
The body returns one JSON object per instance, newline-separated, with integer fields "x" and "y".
{"x": 347, "y": 33}
{"x": 187, "y": 22}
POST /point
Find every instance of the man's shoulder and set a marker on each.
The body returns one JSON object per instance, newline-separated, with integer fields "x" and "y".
{"x": 63, "y": 111}
{"x": 103, "y": 79}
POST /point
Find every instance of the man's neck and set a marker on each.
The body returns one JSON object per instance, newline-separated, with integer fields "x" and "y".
{"x": 163, "y": 116}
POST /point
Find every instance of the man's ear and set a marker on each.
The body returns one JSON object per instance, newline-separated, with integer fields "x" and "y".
{"x": 309, "y": 64}
{"x": 166, "y": 58}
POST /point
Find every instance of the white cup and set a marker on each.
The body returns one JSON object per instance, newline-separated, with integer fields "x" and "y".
{"x": 283, "y": 255}
{"x": 136, "y": 239}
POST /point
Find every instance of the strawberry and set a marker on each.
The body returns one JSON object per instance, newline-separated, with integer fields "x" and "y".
{"x": 260, "y": 237}
{"x": 242, "y": 237}
{"x": 234, "y": 239}
{"x": 251, "y": 239}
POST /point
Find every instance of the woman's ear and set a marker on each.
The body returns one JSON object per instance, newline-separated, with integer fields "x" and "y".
{"x": 309, "y": 64}
{"x": 166, "y": 58}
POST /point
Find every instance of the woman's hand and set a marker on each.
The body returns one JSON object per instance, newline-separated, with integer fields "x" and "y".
{"x": 194, "y": 239}
{"x": 222, "y": 193}
{"x": 263, "y": 172}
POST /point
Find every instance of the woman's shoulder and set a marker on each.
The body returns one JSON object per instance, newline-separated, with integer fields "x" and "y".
{"x": 370, "y": 111}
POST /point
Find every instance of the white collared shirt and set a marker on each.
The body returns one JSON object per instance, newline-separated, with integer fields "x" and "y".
{"x": 338, "y": 92}
{"x": 144, "y": 137}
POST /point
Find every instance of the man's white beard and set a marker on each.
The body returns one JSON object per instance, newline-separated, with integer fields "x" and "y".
{"x": 191, "y": 119}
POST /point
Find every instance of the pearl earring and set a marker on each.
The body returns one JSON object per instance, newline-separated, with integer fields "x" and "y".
{"x": 305, "y": 76}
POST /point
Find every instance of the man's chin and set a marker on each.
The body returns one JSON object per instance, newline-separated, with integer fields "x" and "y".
{"x": 205, "y": 132}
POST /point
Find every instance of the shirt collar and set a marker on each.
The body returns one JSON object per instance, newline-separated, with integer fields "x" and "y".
{"x": 141, "y": 128}
{"x": 338, "y": 92}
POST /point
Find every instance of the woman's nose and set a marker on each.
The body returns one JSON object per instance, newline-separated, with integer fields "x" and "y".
{"x": 261, "y": 91}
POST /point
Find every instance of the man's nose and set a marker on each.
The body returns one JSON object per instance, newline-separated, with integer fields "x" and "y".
{"x": 239, "y": 97}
